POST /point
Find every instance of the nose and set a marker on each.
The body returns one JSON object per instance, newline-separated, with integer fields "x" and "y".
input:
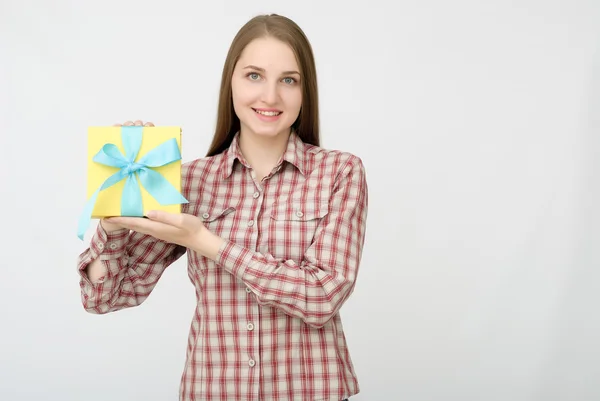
{"x": 269, "y": 94}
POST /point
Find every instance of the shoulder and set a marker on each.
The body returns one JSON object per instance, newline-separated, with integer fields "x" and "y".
{"x": 201, "y": 167}
{"x": 199, "y": 176}
{"x": 338, "y": 162}
{"x": 335, "y": 171}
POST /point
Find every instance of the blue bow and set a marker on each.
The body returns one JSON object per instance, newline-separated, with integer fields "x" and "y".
{"x": 153, "y": 182}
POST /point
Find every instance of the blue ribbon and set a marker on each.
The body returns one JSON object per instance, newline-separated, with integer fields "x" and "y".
{"x": 129, "y": 169}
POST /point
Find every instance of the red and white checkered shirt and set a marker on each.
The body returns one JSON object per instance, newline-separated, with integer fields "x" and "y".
{"x": 266, "y": 325}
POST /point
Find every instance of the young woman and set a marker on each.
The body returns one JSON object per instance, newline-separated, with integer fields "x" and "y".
{"x": 273, "y": 231}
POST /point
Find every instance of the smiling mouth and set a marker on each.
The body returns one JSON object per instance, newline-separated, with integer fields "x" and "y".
{"x": 267, "y": 113}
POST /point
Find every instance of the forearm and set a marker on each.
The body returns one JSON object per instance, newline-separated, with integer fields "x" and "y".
{"x": 96, "y": 270}
{"x": 310, "y": 290}
{"x": 102, "y": 268}
{"x": 307, "y": 290}
{"x": 120, "y": 269}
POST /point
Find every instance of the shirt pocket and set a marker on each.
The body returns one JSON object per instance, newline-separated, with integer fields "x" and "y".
{"x": 293, "y": 227}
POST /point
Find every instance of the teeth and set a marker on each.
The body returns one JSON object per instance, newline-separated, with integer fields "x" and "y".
{"x": 268, "y": 113}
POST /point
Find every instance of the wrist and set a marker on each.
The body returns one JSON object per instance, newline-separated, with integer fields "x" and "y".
{"x": 109, "y": 227}
{"x": 208, "y": 244}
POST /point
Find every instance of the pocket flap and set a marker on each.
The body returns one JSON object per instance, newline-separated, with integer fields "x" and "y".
{"x": 299, "y": 212}
{"x": 213, "y": 214}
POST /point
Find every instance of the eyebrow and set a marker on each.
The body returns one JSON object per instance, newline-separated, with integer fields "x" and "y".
{"x": 253, "y": 67}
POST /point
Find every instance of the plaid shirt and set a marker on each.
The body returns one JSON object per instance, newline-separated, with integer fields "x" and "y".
{"x": 266, "y": 325}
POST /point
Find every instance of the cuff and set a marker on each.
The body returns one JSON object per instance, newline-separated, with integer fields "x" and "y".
{"x": 108, "y": 246}
{"x": 234, "y": 258}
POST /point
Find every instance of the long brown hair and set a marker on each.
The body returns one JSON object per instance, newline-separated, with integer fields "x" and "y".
{"x": 284, "y": 29}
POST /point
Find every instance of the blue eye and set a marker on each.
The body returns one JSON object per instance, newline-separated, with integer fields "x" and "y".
{"x": 289, "y": 80}
{"x": 253, "y": 76}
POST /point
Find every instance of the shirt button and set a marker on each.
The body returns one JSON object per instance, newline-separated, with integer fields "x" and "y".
{"x": 251, "y": 362}
{"x": 250, "y": 327}
{"x": 299, "y": 213}
{"x": 113, "y": 246}
{"x": 205, "y": 215}
{"x": 250, "y": 223}
{"x": 256, "y": 195}
{"x": 248, "y": 290}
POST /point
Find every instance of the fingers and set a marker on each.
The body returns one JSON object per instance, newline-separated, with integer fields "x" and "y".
{"x": 154, "y": 217}
{"x": 165, "y": 217}
{"x": 137, "y": 123}
{"x": 133, "y": 223}
{"x": 147, "y": 226}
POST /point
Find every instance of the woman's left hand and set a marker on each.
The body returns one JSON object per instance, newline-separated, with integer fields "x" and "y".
{"x": 178, "y": 228}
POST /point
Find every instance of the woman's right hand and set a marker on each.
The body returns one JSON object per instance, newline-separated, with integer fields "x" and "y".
{"x": 109, "y": 227}
{"x": 138, "y": 123}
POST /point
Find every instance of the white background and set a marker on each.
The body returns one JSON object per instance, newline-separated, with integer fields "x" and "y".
{"x": 478, "y": 123}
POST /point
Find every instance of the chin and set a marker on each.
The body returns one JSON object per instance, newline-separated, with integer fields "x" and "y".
{"x": 268, "y": 131}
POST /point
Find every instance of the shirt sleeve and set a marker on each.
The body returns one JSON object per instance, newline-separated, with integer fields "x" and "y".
{"x": 134, "y": 262}
{"x": 314, "y": 288}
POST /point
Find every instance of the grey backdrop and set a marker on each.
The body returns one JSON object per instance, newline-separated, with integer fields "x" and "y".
{"x": 478, "y": 125}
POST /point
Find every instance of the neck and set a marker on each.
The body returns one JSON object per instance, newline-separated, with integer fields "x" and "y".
{"x": 263, "y": 153}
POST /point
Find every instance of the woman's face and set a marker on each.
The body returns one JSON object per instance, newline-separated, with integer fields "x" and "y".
{"x": 266, "y": 88}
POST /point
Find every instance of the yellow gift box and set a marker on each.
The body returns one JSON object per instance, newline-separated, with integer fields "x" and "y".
{"x": 108, "y": 201}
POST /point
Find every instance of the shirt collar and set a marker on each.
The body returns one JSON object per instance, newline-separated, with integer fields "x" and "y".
{"x": 294, "y": 154}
